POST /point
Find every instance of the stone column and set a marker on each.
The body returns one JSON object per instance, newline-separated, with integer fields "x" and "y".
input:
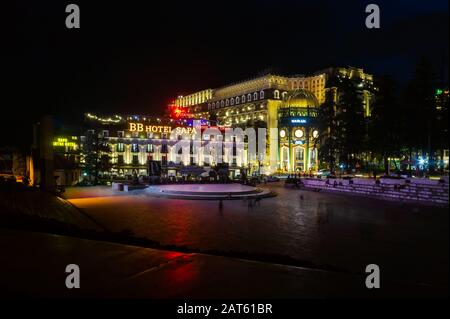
{"x": 46, "y": 153}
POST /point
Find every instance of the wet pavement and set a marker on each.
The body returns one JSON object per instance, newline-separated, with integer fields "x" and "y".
{"x": 110, "y": 270}
{"x": 409, "y": 242}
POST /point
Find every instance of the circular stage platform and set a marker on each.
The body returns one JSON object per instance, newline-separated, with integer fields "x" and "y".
{"x": 208, "y": 191}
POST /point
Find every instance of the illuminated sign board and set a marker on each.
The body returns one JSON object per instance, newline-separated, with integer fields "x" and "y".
{"x": 139, "y": 127}
{"x": 298, "y": 121}
{"x": 64, "y": 142}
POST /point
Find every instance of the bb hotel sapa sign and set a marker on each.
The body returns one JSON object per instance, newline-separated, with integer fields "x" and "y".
{"x": 139, "y": 127}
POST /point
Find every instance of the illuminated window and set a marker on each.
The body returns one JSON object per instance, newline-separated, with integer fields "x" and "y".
{"x": 313, "y": 155}
{"x": 282, "y": 133}
{"x": 299, "y": 153}
{"x": 134, "y": 148}
{"x": 150, "y": 148}
{"x": 283, "y": 95}
{"x": 120, "y": 147}
{"x": 276, "y": 94}
{"x": 298, "y": 133}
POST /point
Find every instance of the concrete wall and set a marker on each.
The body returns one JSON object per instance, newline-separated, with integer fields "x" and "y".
{"x": 419, "y": 190}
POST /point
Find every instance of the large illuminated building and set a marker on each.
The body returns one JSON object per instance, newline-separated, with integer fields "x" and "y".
{"x": 287, "y": 105}
{"x": 132, "y": 143}
{"x": 126, "y": 145}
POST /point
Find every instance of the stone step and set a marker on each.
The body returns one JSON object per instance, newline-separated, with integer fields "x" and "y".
{"x": 425, "y": 194}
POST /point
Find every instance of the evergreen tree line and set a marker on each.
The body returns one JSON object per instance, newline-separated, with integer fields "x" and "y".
{"x": 408, "y": 125}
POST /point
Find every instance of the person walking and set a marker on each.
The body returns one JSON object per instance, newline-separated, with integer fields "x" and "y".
{"x": 250, "y": 205}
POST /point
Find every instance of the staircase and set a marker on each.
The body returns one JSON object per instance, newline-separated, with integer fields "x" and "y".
{"x": 419, "y": 190}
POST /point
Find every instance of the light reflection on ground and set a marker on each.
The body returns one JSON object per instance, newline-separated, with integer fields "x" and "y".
{"x": 404, "y": 240}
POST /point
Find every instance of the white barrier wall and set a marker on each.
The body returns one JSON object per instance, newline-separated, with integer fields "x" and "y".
{"x": 424, "y": 190}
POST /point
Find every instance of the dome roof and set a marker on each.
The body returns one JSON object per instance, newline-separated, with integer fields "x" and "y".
{"x": 300, "y": 98}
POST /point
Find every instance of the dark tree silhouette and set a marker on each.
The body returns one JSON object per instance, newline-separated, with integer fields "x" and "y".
{"x": 384, "y": 130}
{"x": 351, "y": 128}
{"x": 327, "y": 126}
{"x": 97, "y": 155}
{"x": 420, "y": 130}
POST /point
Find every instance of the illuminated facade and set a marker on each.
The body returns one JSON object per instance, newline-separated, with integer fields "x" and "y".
{"x": 66, "y": 150}
{"x": 287, "y": 105}
{"x": 135, "y": 141}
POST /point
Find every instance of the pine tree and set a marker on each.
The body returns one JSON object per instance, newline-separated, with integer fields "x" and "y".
{"x": 351, "y": 126}
{"x": 384, "y": 128}
{"x": 96, "y": 155}
{"x": 419, "y": 106}
{"x": 327, "y": 127}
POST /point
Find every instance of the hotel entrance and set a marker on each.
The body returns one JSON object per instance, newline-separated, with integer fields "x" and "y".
{"x": 299, "y": 159}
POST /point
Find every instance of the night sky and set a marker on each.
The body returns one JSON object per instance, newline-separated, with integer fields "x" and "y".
{"x": 134, "y": 57}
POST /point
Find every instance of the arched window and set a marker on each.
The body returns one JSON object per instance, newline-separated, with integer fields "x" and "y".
{"x": 237, "y": 99}
{"x": 227, "y": 102}
{"x": 221, "y": 103}
{"x": 261, "y": 95}
{"x": 276, "y": 94}
{"x": 249, "y": 97}
{"x": 283, "y": 95}
{"x": 299, "y": 153}
{"x": 243, "y": 98}
{"x": 232, "y": 101}
{"x": 255, "y": 96}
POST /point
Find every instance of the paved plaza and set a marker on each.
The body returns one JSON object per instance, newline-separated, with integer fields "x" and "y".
{"x": 409, "y": 242}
